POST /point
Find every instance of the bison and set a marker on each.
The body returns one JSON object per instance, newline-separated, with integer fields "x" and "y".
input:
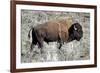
{"x": 55, "y": 30}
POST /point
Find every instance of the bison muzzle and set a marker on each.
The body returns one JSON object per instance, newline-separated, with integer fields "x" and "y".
{"x": 59, "y": 30}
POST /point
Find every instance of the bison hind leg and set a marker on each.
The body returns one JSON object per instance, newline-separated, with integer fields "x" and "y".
{"x": 40, "y": 44}
{"x": 32, "y": 45}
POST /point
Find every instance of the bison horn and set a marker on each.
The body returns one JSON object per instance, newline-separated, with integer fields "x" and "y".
{"x": 75, "y": 27}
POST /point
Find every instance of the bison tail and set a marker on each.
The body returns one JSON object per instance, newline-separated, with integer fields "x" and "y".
{"x": 29, "y": 32}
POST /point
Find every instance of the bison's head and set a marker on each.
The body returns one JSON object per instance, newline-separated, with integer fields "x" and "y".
{"x": 75, "y": 32}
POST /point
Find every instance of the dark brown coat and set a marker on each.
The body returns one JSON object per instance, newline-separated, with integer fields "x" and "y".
{"x": 55, "y": 30}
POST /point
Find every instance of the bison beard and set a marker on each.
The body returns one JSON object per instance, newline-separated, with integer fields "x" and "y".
{"x": 58, "y": 31}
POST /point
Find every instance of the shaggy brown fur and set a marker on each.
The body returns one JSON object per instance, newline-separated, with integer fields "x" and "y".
{"x": 54, "y": 30}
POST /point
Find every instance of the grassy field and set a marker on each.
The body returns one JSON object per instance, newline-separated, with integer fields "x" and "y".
{"x": 75, "y": 50}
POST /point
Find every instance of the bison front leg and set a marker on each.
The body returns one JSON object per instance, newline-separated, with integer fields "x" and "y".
{"x": 60, "y": 43}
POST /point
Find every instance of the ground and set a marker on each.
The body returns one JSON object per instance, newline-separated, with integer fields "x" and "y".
{"x": 75, "y": 50}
